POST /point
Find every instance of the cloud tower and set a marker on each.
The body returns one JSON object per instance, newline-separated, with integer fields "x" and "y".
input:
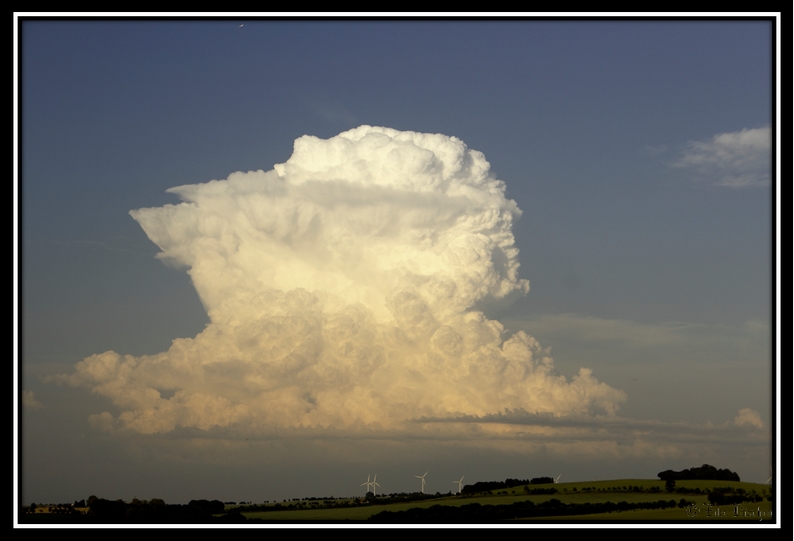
{"x": 347, "y": 289}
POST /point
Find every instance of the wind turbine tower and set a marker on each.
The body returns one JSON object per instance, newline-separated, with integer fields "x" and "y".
{"x": 422, "y": 477}
{"x": 368, "y": 483}
{"x": 460, "y": 484}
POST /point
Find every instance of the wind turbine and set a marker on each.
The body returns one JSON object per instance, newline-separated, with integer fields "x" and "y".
{"x": 460, "y": 484}
{"x": 771, "y": 475}
{"x": 368, "y": 483}
{"x": 422, "y": 477}
{"x": 375, "y": 485}
{"x": 557, "y": 479}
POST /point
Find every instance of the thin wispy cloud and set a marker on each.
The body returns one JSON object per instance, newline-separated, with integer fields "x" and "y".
{"x": 29, "y": 401}
{"x": 599, "y": 332}
{"x": 596, "y": 435}
{"x": 740, "y": 159}
{"x": 746, "y": 417}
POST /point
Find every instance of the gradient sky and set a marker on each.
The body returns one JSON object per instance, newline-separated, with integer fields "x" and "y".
{"x": 639, "y": 153}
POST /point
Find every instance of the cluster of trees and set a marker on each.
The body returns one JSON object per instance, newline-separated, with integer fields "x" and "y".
{"x": 154, "y": 511}
{"x": 487, "y": 486}
{"x": 731, "y": 496}
{"x": 704, "y": 472}
{"x": 541, "y": 481}
{"x": 333, "y": 503}
{"x": 540, "y": 491}
{"x": 57, "y": 509}
{"x": 625, "y": 488}
{"x": 285, "y": 505}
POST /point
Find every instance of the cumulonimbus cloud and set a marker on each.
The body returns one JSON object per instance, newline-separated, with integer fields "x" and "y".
{"x": 346, "y": 288}
{"x": 740, "y": 159}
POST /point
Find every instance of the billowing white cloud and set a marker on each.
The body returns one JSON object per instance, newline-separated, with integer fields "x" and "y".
{"x": 748, "y": 416}
{"x": 735, "y": 159}
{"x": 347, "y": 289}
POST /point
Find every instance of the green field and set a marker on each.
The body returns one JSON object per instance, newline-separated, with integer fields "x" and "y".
{"x": 569, "y": 493}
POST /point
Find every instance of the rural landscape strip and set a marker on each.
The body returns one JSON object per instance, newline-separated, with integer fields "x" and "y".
{"x": 483, "y": 502}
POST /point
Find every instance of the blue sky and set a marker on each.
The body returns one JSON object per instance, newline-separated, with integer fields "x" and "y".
{"x": 637, "y": 151}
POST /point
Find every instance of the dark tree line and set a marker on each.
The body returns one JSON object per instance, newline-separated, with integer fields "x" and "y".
{"x": 486, "y": 486}
{"x": 155, "y": 511}
{"x": 702, "y": 473}
{"x": 541, "y": 481}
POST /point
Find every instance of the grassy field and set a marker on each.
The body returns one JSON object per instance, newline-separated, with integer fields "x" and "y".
{"x": 568, "y": 493}
{"x": 747, "y": 512}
